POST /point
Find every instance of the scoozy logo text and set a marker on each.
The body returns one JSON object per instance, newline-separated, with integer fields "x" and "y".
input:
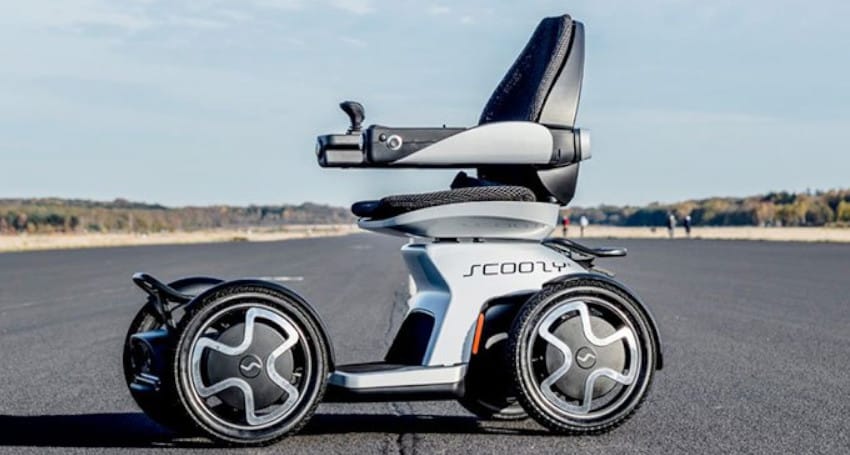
{"x": 510, "y": 268}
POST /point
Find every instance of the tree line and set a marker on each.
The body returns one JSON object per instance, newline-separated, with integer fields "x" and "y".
{"x": 820, "y": 208}
{"x": 49, "y": 215}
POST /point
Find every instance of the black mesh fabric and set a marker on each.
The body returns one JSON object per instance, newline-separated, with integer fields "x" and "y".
{"x": 402, "y": 203}
{"x": 521, "y": 96}
{"x": 523, "y": 91}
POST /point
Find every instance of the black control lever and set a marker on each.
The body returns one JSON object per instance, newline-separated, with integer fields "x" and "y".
{"x": 355, "y": 113}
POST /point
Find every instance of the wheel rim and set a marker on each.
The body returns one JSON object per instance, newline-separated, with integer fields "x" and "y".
{"x": 248, "y": 366}
{"x": 584, "y": 356}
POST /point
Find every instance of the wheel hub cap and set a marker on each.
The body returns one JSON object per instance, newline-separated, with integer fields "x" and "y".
{"x": 585, "y": 357}
{"x": 249, "y": 366}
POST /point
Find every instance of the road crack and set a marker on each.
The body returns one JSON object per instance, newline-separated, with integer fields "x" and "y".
{"x": 404, "y": 443}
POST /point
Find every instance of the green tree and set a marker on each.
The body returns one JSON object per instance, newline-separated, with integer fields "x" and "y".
{"x": 843, "y": 211}
{"x": 819, "y": 213}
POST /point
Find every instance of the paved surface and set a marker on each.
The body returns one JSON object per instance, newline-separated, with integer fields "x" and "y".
{"x": 757, "y": 339}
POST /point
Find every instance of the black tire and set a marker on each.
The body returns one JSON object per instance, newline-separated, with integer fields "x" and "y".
{"x": 492, "y": 400}
{"x": 161, "y": 405}
{"x": 309, "y": 358}
{"x": 489, "y": 388}
{"x": 533, "y": 361}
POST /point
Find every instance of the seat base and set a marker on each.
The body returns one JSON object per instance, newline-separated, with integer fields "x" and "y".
{"x": 472, "y": 220}
{"x": 396, "y": 205}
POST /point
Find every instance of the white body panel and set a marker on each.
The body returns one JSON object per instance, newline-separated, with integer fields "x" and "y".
{"x": 491, "y": 143}
{"x": 454, "y": 281}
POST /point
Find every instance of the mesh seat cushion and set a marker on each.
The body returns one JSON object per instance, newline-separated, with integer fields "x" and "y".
{"x": 402, "y": 203}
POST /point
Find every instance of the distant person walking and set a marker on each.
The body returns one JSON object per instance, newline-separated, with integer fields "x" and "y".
{"x": 687, "y": 224}
{"x": 671, "y": 225}
{"x": 565, "y": 225}
{"x": 583, "y": 222}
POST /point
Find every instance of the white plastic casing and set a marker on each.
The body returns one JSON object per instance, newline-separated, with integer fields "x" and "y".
{"x": 491, "y": 143}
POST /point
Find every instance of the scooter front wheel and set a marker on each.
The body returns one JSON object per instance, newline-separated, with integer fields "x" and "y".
{"x": 583, "y": 356}
{"x": 250, "y": 364}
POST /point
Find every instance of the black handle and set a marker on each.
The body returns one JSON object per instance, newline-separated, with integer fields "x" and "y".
{"x": 356, "y": 115}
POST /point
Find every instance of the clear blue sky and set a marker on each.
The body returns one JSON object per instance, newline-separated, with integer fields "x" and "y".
{"x": 199, "y": 102}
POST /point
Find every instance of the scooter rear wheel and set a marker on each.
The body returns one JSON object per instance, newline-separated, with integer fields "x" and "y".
{"x": 250, "y": 365}
{"x": 145, "y": 369}
{"x": 157, "y": 401}
{"x": 489, "y": 389}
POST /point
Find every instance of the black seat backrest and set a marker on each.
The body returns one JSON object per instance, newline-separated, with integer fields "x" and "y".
{"x": 543, "y": 85}
{"x": 526, "y": 91}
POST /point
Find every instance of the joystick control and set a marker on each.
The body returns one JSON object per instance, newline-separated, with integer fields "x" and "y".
{"x": 355, "y": 113}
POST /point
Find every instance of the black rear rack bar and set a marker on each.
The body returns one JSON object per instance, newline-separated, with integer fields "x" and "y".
{"x": 571, "y": 246}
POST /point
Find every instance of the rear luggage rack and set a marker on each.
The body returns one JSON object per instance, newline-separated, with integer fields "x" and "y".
{"x": 571, "y": 246}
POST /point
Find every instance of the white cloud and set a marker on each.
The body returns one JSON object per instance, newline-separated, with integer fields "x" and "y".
{"x": 38, "y": 13}
{"x": 290, "y": 5}
{"x": 121, "y": 17}
{"x": 437, "y": 10}
{"x": 354, "y": 6}
{"x": 351, "y": 41}
{"x": 467, "y": 20}
{"x": 196, "y": 22}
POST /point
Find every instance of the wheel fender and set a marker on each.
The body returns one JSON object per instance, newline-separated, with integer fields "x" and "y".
{"x": 653, "y": 326}
{"x": 194, "y": 285}
{"x": 294, "y": 296}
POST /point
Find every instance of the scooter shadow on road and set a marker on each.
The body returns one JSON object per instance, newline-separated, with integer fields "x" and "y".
{"x": 135, "y": 430}
{"x": 129, "y": 429}
{"x": 420, "y": 424}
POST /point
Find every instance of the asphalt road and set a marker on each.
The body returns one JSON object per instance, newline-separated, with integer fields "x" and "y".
{"x": 756, "y": 337}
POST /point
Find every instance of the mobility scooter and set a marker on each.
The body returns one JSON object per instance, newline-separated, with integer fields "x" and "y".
{"x": 503, "y": 319}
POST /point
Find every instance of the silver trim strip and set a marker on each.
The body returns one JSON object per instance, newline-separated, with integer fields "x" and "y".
{"x": 400, "y": 377}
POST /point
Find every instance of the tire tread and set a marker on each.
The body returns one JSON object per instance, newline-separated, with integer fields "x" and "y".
{"x": 323, "y": 352}
{"x": 515, "y": 340}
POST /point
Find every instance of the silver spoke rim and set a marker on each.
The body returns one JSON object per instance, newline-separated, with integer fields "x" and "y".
{"x": 206, "y": 391}
{"x": 546, "y": 386}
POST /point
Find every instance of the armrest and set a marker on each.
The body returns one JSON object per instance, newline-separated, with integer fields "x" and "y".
{"x": 379, "y": 146}
{"x": 491, "y": 143}
{"x": 390, "y": 146}
{"x": 340, "y": 150}
{"x": 498, "y": 143}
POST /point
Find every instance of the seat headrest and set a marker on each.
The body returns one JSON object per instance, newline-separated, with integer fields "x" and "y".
{"x": 542, "y": 85}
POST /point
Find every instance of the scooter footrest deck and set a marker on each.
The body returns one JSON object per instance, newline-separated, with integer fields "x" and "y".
{"x": 390, "y": 382}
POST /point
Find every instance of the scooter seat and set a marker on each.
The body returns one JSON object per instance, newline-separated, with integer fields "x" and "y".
{"x": 395, "y": 205}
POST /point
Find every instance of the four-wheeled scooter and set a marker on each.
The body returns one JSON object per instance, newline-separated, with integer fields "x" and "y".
{"x": 503, "y": 319}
